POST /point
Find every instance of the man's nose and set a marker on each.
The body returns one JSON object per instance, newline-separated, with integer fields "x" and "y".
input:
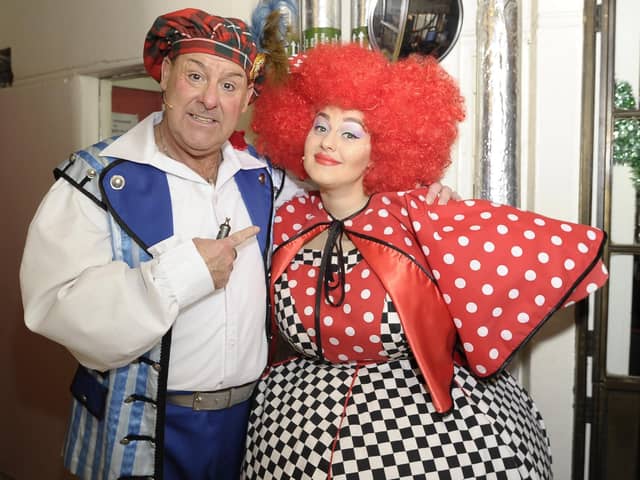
{"x": 209, "y": 96}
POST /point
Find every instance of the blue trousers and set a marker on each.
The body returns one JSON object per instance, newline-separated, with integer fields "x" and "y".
{"x": 205, "y": 444}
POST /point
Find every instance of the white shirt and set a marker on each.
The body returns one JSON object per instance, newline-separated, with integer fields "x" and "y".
{"x": 107, "y": 314}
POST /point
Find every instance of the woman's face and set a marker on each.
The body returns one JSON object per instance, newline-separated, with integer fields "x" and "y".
{"x": 338, "y": 149}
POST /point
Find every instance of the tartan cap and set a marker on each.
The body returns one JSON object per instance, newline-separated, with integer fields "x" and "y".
{"x": 194, "y": 31}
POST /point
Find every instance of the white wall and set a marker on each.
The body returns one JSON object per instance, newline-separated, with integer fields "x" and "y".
{"x": 53, "y": 41}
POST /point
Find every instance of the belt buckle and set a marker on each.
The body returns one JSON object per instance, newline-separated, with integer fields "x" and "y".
{"x": 217, "y": 400}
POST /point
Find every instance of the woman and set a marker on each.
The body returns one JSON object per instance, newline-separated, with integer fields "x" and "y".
{"x": 402, "y": 314}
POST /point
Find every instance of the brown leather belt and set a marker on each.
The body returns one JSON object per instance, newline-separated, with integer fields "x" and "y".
{"x": 217, "y": 400}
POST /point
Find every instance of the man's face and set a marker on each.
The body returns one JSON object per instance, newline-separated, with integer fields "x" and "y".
{"x": 205, "y": 96}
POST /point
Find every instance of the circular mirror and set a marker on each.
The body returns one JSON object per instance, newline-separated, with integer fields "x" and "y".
{"x": 399, "y": 28}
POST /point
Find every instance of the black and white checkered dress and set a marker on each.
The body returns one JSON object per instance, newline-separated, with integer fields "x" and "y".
{"x": 352, "y": 420}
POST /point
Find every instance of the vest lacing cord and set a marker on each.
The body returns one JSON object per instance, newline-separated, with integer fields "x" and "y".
{"x": 331, "y": 277}
{"x": 126, "y": 440}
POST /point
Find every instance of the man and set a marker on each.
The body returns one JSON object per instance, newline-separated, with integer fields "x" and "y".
{"x": 123, "y": 268}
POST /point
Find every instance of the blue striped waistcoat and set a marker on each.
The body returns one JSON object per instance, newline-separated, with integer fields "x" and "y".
{"x": 116, "y": 423}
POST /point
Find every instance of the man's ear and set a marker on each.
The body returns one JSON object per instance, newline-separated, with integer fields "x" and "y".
{"x": 248, "y": 97}
{"x": 165, "y": 72}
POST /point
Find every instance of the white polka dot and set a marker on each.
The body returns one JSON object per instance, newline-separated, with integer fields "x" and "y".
{"x": 496, "y": 312}
{"x": 311, "y": 273}
{"x": 487, "y": 289}
{"x": 433, "y": 216}
{"x": 489, "y": 247}
{"x": 457, "y": 322}
{"x": 346, "y": 308}
{"x": 308, "y": 310}
{"x": 297, "y": 226}
{"x": 448, "y": 258}
{"x": 469, "y": 203}
{"x": 566, "y": 228}
{"x": 493, "y": 353}
{"x": 514, "y": 293}
{"x": 460, "y": 282}
{"x": 342, "y": 357}
{"x": 569, "y": 264}
{"x": 556, "y": 240}
{"x": 386, "y": 200}
{"x": 311, "y": 332}
{"x": 582, "y": 248}
{"x": 417, "y": 226}
{"x": 388, "y": 231}
{"x": 285, "y": 237}
{"x": 474, "y": 228}
{"x": 294, "y": 266}
{"x": 334, "y": 341}
{"x": 358, "y": 349}
{"x": 311, "y": 291}
{"x": 277, "y": 219}
{"x": 523, "y": 317}
{"x": 513, "y": 217}
{"x": 485, "y": 215}
{"x": 591, "y": 235}
{"x": 459, "y": 217}
{"x": 540, "y": 222}
{"x": 483, "y": 331}
{"x": 350, "y": 331}
{"x": 374, "y": 339}
{"x": 502, "y": 270}
{"x": 556, "y": 282}
{"x": 446, "y": 298}
{"x": 604, "y": 269}
{"x": 463, "y": 241}
{"x": 436, "y": 274}
{"x": 328, "y": 321}
{"x": 592, "y": 287}
{"x": 516, "y": 251}
{"x": 543, "y": 257}
{"x": 383, "y": 213}
{"x": 368, "y": 317}
{"x": 365, "y": 273}
{"x": 506, "y": 334}
{"x": 529, "y": 234}
{"x": 365, "y": 294}
{"x": 472, "y": 307}
{"x": 436, "y": 236}
{"x": 481, "y": 369}
{"x": 367, "y": 228}
{"x": 348, "y": 223}
{"x": 425, "y": 250}
{"x": 408, "y": 242}
{"x": 347, "y": 287}
{"x": 448, "y": 228}
{"x": 530, "y": 275}
{"x": 475, "y": 265}
{"x": 404, "y": 212}
{"x": 540, "y": 300}
{"x": 502, "y": 229}
{"x": 468, "y": 347}
{"x": 293, "y": 283}
{"x": 290, "y": 208}
{"x": 413, "y": 204}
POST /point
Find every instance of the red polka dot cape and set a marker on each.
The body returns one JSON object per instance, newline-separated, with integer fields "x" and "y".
{"x": 474, "y": 274}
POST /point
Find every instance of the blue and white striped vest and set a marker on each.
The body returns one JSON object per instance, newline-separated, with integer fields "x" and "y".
{"x": 116, "y": 424}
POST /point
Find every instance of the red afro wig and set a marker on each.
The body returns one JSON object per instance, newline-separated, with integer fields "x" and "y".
{"x": 411, "y": 110}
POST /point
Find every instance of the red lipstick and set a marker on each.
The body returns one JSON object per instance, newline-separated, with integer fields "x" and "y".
{"x": 324, "y": 159}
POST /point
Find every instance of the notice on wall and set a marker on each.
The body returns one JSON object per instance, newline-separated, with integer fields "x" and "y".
{"x": 122, "y": 122}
